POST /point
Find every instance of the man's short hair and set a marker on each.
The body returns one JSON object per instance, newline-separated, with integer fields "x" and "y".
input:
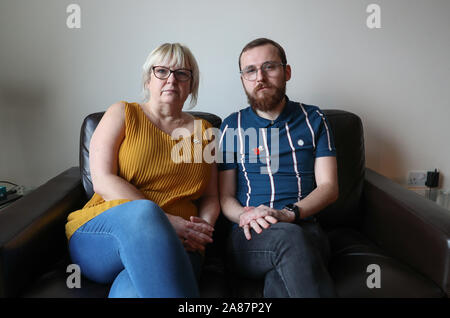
{"x": 261, "y": 42}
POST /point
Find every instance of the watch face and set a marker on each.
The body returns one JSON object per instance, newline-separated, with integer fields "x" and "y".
{"x": 290, "y": 206}
{"x": 293, "y": 208}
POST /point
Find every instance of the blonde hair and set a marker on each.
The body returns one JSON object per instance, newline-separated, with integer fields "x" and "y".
{"x": 175, "y": 55}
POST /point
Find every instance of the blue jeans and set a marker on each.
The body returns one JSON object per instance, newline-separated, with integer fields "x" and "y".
{"x": 290, "y": 258}
{"x": 135, "y": 247}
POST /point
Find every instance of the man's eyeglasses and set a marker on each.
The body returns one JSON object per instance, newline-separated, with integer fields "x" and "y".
{"x": 271, "y": 69}
{"x": 182, "y": 75}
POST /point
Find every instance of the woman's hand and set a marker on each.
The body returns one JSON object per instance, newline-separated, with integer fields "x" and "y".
{"x": 194, "y": 234}
{"x": 199, "y": 234}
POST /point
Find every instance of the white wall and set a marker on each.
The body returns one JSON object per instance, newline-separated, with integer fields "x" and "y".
{"x": 395, "y": 78}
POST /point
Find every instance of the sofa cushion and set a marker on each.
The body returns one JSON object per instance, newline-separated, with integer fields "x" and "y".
{"x": 213, "y": 283}
{"x": 352, "y": 253}
{"x": 53, "y": 285}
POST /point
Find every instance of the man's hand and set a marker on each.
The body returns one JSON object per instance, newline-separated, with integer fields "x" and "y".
{"x": 261, "y": 217}
{"x": 254, "y": 218}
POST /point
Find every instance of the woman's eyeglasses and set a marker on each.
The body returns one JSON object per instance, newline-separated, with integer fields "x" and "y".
{"x": 181, "y": 74}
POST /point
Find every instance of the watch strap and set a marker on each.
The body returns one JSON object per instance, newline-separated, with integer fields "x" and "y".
{"x": 294, "y": 208}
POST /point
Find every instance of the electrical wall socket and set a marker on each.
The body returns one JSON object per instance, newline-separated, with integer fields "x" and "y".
{"x": 417, "y": 178}
{"x": 20, "y": 189}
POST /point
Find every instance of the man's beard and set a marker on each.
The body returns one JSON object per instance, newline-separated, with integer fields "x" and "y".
{"x": 268, "y": 101}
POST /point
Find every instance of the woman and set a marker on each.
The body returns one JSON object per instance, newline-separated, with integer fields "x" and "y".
{"x": 146, "y": 227}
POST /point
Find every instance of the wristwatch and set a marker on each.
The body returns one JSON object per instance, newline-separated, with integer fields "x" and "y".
{"x": 294, "y": 208}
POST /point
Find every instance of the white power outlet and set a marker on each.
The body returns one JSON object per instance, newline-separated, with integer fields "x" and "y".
{"x": 417, "y": 178}
{"x": 20, "y": 189}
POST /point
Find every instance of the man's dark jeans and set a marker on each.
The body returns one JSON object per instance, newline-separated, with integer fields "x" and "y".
{"x": 291, "y": 258}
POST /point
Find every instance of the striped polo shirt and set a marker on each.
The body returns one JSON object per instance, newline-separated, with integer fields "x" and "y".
{"x": 275, "y": 159}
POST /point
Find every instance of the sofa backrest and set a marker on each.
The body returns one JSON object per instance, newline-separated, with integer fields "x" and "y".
{"x": 349, "y": 140}
{"x": 87, "y": 129}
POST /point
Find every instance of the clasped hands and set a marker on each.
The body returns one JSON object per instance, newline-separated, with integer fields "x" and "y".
{"x": 194, "y": 234}
{"x": 197, "y": 232}
{"x": 261, "y": 217}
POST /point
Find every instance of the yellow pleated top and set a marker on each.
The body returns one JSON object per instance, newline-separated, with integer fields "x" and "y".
{"x": 172, "y": 173}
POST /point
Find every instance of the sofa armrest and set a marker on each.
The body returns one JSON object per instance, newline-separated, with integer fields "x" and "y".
{"x": 32, "y": 234}
{"x": 408, "y": 226}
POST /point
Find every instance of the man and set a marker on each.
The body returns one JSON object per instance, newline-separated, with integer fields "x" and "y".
{"x": 272, "y": 187}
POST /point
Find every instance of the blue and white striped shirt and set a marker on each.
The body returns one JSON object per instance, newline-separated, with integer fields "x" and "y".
{"x": 275, "y": 159}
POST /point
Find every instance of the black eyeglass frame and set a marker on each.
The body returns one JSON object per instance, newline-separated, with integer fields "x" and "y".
{"x": 174, "y": 72}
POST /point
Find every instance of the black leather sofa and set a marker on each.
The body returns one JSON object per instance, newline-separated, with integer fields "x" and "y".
{"x": 374, "y": 221}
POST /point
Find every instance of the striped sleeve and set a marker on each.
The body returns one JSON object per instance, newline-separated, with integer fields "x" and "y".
{"x": 324, "y": 139}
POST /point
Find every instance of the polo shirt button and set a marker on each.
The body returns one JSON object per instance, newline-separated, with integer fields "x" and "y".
{"x": 300, "y": 142}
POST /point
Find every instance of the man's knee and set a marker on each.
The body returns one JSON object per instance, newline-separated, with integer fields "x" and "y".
{"x": 289, "y": 236}
{"x": 287, "y": 231}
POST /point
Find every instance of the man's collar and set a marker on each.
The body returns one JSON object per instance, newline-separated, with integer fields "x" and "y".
{"x": 285, "y": 115}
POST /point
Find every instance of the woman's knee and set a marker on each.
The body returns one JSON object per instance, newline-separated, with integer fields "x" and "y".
{"x": 145, "y": 219}
{"x": 145, "y": 206}
{"x": 144, "y": 213}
